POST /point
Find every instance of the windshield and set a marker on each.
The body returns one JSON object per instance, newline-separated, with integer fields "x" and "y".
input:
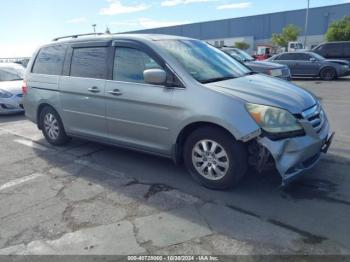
{"x": 11, "y": 74}
{"x": 204, "y": 62}
{"x": 243, "y": 55}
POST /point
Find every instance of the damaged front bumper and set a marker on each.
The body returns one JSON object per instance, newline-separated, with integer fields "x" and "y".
{"x": 293, "y": 156}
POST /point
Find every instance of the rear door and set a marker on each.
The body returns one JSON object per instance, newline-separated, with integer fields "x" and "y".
{"x": 289, "y": 60}
{"x": 138, "y": 114}
{"x": 304, "y": 66}
{"x": 82, "y": 90}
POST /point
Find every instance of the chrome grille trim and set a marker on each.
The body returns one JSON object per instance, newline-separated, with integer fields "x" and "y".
{"x": 315, "y": 116}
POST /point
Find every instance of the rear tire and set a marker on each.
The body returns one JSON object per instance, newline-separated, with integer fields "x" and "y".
{"x": 328, "y": 74}
{"x": 214, "y": 158}
{"x": 52, "y": 127}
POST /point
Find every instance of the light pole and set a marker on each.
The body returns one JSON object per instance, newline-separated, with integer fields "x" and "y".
{"x": 94, "y": 27}
{"x": 306, "y": 23}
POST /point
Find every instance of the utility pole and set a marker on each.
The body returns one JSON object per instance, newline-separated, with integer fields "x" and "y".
{"x": 306, "y": 23}
{"x": 94, "y": 27}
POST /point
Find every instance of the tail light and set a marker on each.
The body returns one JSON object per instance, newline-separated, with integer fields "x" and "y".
{"x": 24, "y": 88}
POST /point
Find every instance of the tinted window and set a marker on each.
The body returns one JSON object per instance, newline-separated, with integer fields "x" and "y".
{"x": 286, "y": 56}
{"x": 129, "y": 65}
{"x": 334, "y": 50}
{"x": 303, "y": 57}
{"x": 347, "y": 50}
{"x": 89, "y": 62}
{"x": 50, "y": 60}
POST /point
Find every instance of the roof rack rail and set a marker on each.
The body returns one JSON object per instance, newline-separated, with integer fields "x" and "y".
{"x": 76, "y": 36}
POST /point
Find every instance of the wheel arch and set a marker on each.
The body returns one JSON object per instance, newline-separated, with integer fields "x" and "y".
{"x": 40, "y": 108}
{"x": 328, "y": 67}
{"x": 186, "y": 131}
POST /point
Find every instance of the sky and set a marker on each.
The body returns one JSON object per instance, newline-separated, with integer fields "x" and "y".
{"x": 27, "y": 24}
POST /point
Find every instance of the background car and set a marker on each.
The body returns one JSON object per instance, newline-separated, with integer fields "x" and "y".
{"x": 268, "y": 68}
{"x": 313, "y": 65}
{"x": 334, "y": 50}
{"x": 11, "y": 76}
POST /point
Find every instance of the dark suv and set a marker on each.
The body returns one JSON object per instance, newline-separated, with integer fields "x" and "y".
{"x": 334, "y": 50}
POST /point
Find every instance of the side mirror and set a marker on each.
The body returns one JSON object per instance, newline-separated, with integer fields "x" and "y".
{"x": 155, "y": 76}
{"x": 313, "y": 60}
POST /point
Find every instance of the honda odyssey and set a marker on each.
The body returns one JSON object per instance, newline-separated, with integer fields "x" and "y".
{"x": 174, "y": 97}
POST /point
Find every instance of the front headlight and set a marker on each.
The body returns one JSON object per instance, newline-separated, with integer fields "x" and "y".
{"x": 5, "y": 94}
{"x": 273, "y": 119}
{"x": 275, "y": 72}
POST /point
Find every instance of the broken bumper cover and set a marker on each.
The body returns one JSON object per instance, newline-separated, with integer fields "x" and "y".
{"x": 295, "y": 155}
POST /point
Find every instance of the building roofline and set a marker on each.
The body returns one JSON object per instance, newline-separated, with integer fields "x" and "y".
{"x": 240, "y": 17}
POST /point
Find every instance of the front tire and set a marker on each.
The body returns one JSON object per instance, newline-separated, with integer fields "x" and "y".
{"x": 214, "y": 158}
{"x": 328, "y": 74}
{"x": 52, "y": 127}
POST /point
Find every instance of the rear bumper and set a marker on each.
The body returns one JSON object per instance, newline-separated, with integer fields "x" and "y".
{"x": 293, "y": 156}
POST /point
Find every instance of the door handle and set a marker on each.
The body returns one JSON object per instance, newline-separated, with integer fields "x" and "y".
{"x": 94, "y": 89}
{"x": 115, "y": 92}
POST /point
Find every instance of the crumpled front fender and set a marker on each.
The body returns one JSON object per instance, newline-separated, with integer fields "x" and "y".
{"x": 294, "y": 155}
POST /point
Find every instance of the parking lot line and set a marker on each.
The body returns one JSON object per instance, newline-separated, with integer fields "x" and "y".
{"x": 19, "y": 181}
{"x": 31, "y": 144}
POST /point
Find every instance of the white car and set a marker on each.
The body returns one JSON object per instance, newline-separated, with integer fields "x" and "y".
{"x": 11, "y": 76}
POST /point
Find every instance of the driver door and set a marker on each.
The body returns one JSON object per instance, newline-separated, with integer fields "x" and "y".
{"x": 139, "y": 115}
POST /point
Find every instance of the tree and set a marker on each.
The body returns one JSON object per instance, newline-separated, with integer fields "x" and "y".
{"x": 289, "y": 33}
{"x": 242, "y": 45}
{"x": 339, "y": 30}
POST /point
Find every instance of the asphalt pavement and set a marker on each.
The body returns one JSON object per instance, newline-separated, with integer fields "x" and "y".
{"x": 88, "y": 198}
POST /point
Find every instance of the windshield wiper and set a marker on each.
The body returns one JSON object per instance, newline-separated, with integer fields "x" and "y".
{"x": 17, "y": 79}
{"x": 217, "y": 79}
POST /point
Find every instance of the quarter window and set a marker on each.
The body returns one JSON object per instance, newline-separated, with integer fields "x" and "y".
{"x": 89, "y": 62}
{"x": 50, "y": 60}
{"x": 130, "y": 63}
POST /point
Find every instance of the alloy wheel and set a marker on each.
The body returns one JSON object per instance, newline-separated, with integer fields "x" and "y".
{"x": 210, "y": 159}
{"x": 51, "y": 126}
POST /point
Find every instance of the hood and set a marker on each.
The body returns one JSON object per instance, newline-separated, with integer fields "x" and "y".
{"x": 264, "y": 65}
{"x": 14, "y": 87}
{"x": 338, "y": 61}
{"x": 265, "y": 90}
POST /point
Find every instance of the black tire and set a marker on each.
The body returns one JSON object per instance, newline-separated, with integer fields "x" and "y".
{"x": 235, "y": 151}
{"x": 328, "y": 73}
{"x": 62, "y": 138}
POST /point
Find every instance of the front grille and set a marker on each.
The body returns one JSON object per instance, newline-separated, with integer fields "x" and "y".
{"x": 316, "y": 117}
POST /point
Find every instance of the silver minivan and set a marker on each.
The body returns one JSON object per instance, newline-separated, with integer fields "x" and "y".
{"x": 174, "y": 97}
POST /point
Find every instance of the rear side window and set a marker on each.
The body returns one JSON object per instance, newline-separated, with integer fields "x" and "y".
{"x": 50, "y": 60}
{"x": 301, "y": 56}
{"x": 89, "y": 62}
{"x": 347, "y": 50}
{"x": 287, "y": 56}
{"x": 334, "y": 50}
